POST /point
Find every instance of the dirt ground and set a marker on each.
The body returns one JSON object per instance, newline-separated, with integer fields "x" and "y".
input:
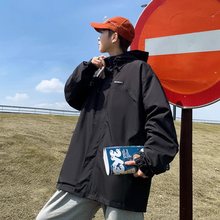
{"x": 32, "y": 149}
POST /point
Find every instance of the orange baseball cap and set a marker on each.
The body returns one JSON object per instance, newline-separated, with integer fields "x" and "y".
{"x": 118, "y": 24}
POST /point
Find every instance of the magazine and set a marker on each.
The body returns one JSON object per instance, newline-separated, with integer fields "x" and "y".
{"x": 115, "y": 157}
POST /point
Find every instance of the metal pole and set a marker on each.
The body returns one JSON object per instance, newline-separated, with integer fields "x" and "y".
{"x": 186, "y": 198}
{"x": 144, "y": 5}
{"x": 174, "y": 112}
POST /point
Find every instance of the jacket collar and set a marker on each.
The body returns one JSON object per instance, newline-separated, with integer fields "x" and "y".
{"x": 119, "y": 60}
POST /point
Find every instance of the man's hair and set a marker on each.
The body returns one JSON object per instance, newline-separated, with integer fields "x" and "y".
{"x": 123, "y": 43}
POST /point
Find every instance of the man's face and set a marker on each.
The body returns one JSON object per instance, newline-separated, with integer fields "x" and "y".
{"x": 104, "y": 41}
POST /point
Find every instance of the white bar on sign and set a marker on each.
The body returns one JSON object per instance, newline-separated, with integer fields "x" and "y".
{"x": 184, "y": 43}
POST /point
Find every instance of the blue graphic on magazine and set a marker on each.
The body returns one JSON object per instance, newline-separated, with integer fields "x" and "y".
{"x": 115, "y": 157}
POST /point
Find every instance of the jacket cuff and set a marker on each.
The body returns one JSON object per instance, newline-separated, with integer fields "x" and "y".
{"x": 143, "y": 165}
{"x": 88, "y": 71}
{"x": 90, "y": 65}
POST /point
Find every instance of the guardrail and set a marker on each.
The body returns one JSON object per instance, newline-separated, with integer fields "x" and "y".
{"x": 33, "y": 110}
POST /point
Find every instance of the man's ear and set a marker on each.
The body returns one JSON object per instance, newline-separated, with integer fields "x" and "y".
{"x": 114, "y": 37}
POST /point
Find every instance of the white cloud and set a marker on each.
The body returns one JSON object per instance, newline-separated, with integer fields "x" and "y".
{"x": 18, "y": 97}
{"x": 52, "y": 85}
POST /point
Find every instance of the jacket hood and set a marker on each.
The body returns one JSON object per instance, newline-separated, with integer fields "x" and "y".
{"x": 129, "y": 56}
{"x": 139, "y": 55}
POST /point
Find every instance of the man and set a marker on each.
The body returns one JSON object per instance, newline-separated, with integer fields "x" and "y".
{"x": 121, "y": 103}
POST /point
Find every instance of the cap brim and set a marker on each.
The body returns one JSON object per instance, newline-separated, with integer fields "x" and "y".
{"x": 99, "y": 26}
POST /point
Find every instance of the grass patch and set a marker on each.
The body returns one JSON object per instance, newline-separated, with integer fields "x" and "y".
{"x": 32, "y": 149}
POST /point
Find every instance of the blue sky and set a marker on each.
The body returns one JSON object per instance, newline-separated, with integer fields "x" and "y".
{"x": 42, "y": 41}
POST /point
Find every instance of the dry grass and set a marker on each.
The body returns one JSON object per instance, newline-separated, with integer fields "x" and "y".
{"x": 32, "y": 149}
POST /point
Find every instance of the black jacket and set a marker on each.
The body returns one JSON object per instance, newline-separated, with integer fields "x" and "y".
{"x": 124, "y": 106}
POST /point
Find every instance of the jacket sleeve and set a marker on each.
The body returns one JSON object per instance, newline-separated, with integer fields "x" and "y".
{"x": 161, "y": 145}
{"x": 78, "y": 84}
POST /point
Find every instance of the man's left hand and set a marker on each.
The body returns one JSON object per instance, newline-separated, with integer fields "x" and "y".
{"x": 139, "y": 173}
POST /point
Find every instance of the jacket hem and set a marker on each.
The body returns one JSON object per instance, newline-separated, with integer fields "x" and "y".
{"x": 100, "y": 199}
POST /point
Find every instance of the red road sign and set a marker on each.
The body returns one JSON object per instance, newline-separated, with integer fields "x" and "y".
{"x": 183, "y": 40}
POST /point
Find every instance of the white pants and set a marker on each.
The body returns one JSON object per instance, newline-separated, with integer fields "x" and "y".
{"x": 65, "y": 206}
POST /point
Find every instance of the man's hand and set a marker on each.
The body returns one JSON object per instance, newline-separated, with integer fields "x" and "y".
{"x": 139, "y": 173}
{"x": 98, "y": 61}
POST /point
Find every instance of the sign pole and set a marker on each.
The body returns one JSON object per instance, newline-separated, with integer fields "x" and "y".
{"x": 186, "y": 198}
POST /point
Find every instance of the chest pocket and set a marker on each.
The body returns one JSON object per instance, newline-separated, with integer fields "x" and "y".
{"x": 119, "y": 90}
